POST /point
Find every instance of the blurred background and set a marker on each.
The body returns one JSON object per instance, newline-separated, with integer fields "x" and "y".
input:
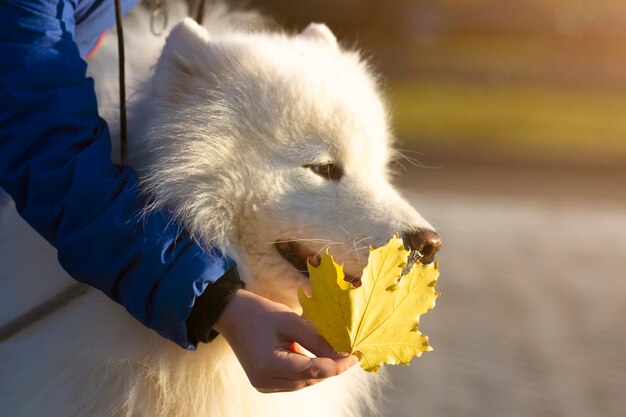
{"x": 511, "y": 115}
{"x": 525, "y": 80}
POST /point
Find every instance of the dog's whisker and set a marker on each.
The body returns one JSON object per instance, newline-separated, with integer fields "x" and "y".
{"x": 302, "y": 240}
{"x": 356, "y": 242}
{"x": 401, "y": 165}
{"x": 402, "y": 155}
{"x": 328, "y": 245}
{"x": 357, "y": 250}
{"x": 347, "y": 252}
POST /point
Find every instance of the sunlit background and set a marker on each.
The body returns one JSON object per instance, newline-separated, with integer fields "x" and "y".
{"x": 537, "y": 80}
{"x": 512, "y": 118}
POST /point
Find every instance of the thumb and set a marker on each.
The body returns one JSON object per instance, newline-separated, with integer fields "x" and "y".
{"x": 297, "y": 329}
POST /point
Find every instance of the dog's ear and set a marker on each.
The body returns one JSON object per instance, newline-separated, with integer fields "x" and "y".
{"x": 186, "y": 46}
{"x": 183, "y": 60}
{"x": 319, "y": 32}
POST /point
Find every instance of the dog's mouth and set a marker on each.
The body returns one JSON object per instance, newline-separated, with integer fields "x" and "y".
{"x": 298, "y": 255}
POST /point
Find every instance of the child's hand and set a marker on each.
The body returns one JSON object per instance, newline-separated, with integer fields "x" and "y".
{"x": 261, "y": 333}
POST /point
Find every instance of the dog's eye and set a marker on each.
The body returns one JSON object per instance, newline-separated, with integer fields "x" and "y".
{"x": 330, "y": 171}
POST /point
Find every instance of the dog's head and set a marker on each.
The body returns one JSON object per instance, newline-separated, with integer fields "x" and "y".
{"x": 275, "y": 148}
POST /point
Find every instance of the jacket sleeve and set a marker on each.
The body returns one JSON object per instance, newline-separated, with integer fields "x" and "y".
{"x": 55, "y": 163}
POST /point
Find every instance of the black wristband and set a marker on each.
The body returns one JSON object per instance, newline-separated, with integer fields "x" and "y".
{"x": 209, "y": 306}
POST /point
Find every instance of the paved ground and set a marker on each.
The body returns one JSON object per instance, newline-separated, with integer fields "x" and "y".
{"x": 532, "y": 317}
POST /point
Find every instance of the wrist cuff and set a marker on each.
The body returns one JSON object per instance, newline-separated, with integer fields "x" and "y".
{"x": 209, "y": 306}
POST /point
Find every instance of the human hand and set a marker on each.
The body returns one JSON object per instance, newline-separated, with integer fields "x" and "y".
{"x": 262, "y": 332}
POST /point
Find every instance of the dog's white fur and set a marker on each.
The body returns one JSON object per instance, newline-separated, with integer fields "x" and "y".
{"x": 221, "y": 134}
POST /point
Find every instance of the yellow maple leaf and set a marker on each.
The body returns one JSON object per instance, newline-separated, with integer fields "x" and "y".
{"x": 378, "y": 321}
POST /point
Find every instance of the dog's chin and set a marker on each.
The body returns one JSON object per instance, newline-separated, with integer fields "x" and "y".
{"x": 298, "y": 255}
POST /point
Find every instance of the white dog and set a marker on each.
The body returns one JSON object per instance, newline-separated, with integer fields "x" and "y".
{"x": 270, "y": 146}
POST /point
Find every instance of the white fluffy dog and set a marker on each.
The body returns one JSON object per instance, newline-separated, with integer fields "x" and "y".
{"x": 272, "y": 147}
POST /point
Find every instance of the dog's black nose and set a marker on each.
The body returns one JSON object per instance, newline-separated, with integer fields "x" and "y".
{"x": 426, "y": 242}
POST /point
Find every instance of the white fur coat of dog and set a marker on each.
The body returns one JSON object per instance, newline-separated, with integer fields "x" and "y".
{"x": 232, "y": 131}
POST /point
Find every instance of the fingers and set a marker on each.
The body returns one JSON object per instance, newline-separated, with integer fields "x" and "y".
{"x": 294, "y": 371}
{"x": 299, "y": 367}
{"x": 288, "y": 385}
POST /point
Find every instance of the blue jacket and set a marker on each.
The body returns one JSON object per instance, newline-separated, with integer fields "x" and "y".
{"x": 55, "y": 163}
